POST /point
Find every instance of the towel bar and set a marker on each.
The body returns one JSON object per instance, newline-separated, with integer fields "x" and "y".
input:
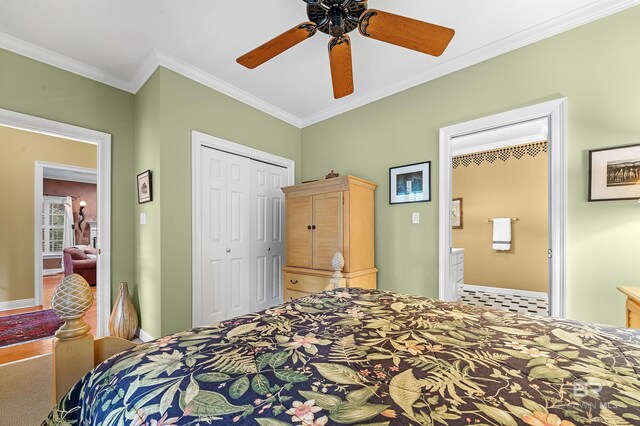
{"x": 513, "y": 219}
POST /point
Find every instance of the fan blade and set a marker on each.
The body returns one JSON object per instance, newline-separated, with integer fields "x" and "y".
{"x": 405, "y": 32}
{"x": 276, "y": 46}
{"x": 341, "y": 66}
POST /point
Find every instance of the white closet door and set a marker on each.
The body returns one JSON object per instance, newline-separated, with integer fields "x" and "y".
{"x": 238, "y": 235}
{"x": 279, "y": 179}
{"x": 213, "y": 262}
{"x": 267, "y": 234}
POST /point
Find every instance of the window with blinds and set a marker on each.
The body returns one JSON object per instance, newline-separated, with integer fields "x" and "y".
{"x": 52, "y": 225}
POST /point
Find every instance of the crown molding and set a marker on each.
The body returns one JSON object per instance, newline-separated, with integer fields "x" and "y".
{"x": 532, "y": 35}
{"x": 46, "y": 56}
{"x": 146, "y": 69}
{"x": 223, "y": 87}
{"x": 155, "y": 59}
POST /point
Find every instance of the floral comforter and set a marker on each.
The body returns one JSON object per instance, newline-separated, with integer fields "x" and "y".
{"x": 369, "y": 357}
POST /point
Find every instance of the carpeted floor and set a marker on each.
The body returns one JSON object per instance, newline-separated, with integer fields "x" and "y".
{"x": 25, "y": 391}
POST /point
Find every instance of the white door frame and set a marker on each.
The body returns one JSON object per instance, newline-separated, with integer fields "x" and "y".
{"x": 555, "y": 112}
{"x": 198, "y": 140}
{"x": 103, "y": 142}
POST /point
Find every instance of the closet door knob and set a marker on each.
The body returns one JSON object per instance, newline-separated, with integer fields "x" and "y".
{"x": 228, "y": 250}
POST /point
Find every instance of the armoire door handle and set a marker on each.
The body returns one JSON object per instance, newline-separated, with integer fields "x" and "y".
{"x": 228, "y": 250}
{"x": 313, "y": 227}
{"x": 309, "y": 227}
{"x": 293, "y": 281}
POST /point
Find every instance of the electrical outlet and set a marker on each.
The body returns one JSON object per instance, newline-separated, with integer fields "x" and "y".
{"x": 415, "y": 217}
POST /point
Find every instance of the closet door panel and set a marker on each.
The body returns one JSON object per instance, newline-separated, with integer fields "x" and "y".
{"x": 277, "y": 245}
{"x": 267, "y": 234}
{"x": 239, "y": 235}
{"x": 260, "y": 230}
{"x": 299, "y": 241}
{"x": 214, "y": 231}
{"x": 327, "y": 218}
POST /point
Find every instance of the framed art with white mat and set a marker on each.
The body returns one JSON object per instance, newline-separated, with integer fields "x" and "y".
{"x": 410, "y": 183}
{"x": 614, "y": 173}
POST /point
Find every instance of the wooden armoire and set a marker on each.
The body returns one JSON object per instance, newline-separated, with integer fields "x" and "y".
{"x": 322, "y": 218}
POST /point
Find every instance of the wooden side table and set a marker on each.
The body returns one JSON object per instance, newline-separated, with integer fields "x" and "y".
{"x": 633, "y": 305}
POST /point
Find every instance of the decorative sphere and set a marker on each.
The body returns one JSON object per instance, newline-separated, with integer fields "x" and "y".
{"x": 72, "y": 297}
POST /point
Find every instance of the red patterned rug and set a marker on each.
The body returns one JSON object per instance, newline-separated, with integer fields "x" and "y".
{"x": 27, "y": 327}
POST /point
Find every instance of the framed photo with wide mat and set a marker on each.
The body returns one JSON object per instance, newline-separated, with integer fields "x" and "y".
{"x": 614, "y": 173}
{"x": 410, "y": 183}
{"x": 145, "y": 193}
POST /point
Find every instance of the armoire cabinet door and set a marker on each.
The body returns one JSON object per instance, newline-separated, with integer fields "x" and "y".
{"x": 299, "y": 219}
{"x": 327, "y": 235}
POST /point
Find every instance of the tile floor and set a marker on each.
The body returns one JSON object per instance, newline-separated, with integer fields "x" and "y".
{"x": 513, "y": 303}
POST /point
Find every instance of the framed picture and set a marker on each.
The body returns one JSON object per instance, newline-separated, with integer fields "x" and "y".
{"x": 145, "y": 193}
{"x": 456, "y": 213}
{"x": 614, "y": 173}
{"x": 410, "y": 183}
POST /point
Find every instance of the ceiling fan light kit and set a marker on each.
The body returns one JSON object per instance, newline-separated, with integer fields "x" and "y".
{"x": 337, "y": 18}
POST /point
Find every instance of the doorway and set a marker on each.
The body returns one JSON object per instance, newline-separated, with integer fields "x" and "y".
{"x": 500, "y": 217}
{"x": 238, "y": 228}
{"x": 102, "y": 142}
{"x": 553, "y": 115}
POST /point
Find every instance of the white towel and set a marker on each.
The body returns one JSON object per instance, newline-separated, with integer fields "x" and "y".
{"x": 502, "y": 233}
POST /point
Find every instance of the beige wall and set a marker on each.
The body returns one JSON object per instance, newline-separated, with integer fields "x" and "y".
{"x": 19, "y": 150}
{"x": 511, "y": 188}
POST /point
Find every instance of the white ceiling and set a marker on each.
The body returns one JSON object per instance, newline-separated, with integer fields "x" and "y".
{"x": 121, "y": 42}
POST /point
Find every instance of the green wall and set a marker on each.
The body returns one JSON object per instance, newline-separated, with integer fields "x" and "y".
{"x": 37, "y": 89}
{"x": 595, "y": 66}
{"x": 185, "y": 105}
{"x": 148, "y": 243}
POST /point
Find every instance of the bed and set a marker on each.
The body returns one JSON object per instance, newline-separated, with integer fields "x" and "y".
{"x": 355, "y": 356}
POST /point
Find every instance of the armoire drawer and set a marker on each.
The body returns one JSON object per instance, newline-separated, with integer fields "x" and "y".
{"x": 290, "y": 295}
{"x": 306, "y": 283}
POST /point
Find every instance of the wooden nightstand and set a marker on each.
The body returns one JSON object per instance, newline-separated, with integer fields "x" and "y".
{"x": 633, "y": 305}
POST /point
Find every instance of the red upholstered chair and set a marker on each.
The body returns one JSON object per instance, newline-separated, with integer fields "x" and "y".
{"x": 76, "y": 261}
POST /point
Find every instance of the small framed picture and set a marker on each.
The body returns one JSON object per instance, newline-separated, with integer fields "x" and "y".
{"x": 614, "y": 173}
{"x": 145, "y": 193}
{"x": 456, "y": 213}
{"x": 410, "y": 183}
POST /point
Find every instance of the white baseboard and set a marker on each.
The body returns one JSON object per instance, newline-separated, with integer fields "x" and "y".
{"x": 144, "y": 336}
{"x": 498, "y": 290}
{"x": 17, "y": 304}
{"x": 51, "y": 272}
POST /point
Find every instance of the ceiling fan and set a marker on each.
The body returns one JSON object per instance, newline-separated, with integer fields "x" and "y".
{"x": 339, "y": 17}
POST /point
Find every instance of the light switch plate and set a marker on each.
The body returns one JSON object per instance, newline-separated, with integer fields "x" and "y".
{"x": 143, "y": 218}
{"x": 415, "y": 217}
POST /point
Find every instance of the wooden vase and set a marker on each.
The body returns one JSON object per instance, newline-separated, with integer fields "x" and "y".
{"x": 124, "y": 319}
